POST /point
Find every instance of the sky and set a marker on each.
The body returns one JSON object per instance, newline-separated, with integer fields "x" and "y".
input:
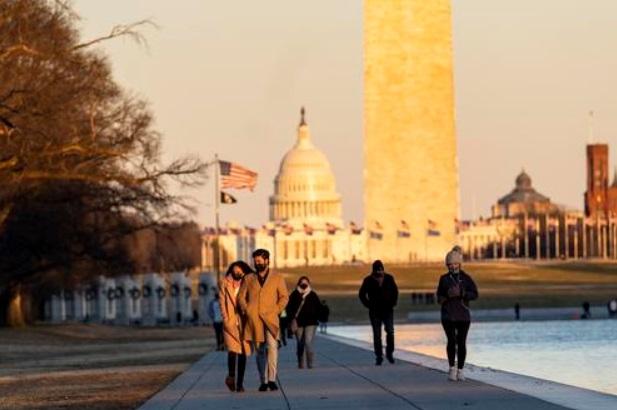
{"x": 229, "y": 77}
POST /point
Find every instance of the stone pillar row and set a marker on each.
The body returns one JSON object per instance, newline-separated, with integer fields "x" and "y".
{"x": 145, "y": 300}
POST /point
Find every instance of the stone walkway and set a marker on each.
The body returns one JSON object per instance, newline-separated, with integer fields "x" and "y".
{"x": 344, "y": 377}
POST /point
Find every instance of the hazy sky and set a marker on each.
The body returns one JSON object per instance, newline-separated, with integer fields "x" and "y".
{"x": 230, "y": 76}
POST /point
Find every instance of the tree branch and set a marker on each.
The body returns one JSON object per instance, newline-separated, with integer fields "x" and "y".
{"x": 120, "y": 31}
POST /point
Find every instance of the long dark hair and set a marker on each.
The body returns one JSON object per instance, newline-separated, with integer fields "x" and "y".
{"x": 303, "y": 278}
{"x": 242, "y": 265}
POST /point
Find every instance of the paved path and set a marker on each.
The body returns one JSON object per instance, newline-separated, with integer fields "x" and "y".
{"x": 344, "y": 377}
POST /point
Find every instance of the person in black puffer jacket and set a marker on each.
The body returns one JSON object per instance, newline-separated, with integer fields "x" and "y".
{"x": 379, "y": 294}
{"x": 305, "y": 307}
{"x": 456, "y": 288}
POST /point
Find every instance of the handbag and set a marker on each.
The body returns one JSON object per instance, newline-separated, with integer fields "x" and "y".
{"x": 294, "y": 323}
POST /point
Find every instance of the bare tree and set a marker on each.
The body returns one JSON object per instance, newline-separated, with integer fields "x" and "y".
{"x": 73, "y": 142}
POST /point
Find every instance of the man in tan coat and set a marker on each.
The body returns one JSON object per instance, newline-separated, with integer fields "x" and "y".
{"x": 262, "y": 298}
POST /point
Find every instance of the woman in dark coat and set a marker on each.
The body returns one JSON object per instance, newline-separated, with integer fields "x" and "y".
{"x": 455, "y": 290}
{"x": 304, "y": 308}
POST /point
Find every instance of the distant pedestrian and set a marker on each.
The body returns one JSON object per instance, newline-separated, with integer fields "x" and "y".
{"x": 379, "y": 294}
{"x": 283, "y": 324}
{"x": 324, "y": 316}
{"x": 304, "y": 308}
{"x": 195, "y": 319}
{"x": 586, "y": 311}
{"x": 262, "y": 297}
{"x": 517, "y": 311}
{"x": 214, "y": 311}
{"x": 237, "y": 347}
{"x": 455, "y": 290}
{"x": 612, "y": 308}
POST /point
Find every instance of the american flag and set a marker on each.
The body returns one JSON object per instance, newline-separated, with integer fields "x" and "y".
{"x": 377, "y": 234}
{"x": 236, "y": 176}
{"x": 403, "y": 231}
{"x": 269, "y": 231}
{"x": 432, "y": 228}
{"x": 355, "y": 229}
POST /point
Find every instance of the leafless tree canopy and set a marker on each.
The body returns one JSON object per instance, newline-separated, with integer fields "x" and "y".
{"x": 80, "y": 167}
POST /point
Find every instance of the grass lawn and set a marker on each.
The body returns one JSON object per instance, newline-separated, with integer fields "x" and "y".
{"x": 98, "y": 367}
{"x": 501, "y": 285}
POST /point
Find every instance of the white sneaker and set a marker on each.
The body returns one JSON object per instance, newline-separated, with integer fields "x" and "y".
{"x": 452, "y": 374}
{"x": 460, "y": 376}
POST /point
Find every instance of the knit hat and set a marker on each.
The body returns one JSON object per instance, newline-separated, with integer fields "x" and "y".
{"x": 378, "y": 266}
{"x": 455, "y": 256}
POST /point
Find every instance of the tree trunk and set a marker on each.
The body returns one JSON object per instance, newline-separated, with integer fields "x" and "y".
{"x": 16, "y": 306}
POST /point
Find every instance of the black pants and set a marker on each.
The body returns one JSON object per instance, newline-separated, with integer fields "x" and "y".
{"x": 456, "y": 332}
{"x": 283, "y": 330}
{"x": 387, "y": 319}
{"x": 218, "y": 331}
{"x": 232, "y": 358}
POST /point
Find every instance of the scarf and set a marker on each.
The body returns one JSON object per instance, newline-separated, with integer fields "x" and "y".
{"x": 304, "y": 292}
{"x": 234, "y": 283}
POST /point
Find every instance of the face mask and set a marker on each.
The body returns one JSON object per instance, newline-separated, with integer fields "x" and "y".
{"x": 378, "y": 273}
{"x": 260, "y": 267}
{"x": 303, "y": 286}
{"x": 454, "y": 270}
{"x": 236, "y": 276}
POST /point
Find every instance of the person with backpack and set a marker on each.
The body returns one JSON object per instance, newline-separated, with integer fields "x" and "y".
{"x": 324, "y": 316}
{"x": 214, "y": 311}
{"x": 304, "y": 308}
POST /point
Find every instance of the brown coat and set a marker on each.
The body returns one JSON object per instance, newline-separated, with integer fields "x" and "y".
{"x": 262, "y": 305}
{"x": 232, "y": 319}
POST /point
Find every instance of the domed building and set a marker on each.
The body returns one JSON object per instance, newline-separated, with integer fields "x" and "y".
{"x": 306, "y": 225}
{"x": 523, "y": 199}
{"x": 523, "y": 224}
{"x": 305, "y": 188}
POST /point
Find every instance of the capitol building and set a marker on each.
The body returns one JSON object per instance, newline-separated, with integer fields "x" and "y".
{"x": 306, "y": 225}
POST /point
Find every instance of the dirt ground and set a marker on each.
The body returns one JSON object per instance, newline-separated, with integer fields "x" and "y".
{"x": 93, "y": 366}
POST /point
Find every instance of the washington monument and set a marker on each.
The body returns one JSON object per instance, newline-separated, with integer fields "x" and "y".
{"x": 411, "y": 187}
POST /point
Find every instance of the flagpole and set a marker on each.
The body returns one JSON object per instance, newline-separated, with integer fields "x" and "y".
{"x": 538, "y": 248}
{"x": 274, "y": 249}
{"x": 426, "y": 243}
{"x": 547, "y": 237}
{"x": 526, "y": 237}
{"x": 217, "y": 200}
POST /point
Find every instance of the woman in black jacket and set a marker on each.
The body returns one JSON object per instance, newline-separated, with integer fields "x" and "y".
{"x": 303, "y": 310}
{"x": 455, "y": 290}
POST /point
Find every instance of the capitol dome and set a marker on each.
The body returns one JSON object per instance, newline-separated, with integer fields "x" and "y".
{"x": 305, "y": 187}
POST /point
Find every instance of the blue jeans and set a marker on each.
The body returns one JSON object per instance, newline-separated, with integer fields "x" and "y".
{"x": 387, "y": 319}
